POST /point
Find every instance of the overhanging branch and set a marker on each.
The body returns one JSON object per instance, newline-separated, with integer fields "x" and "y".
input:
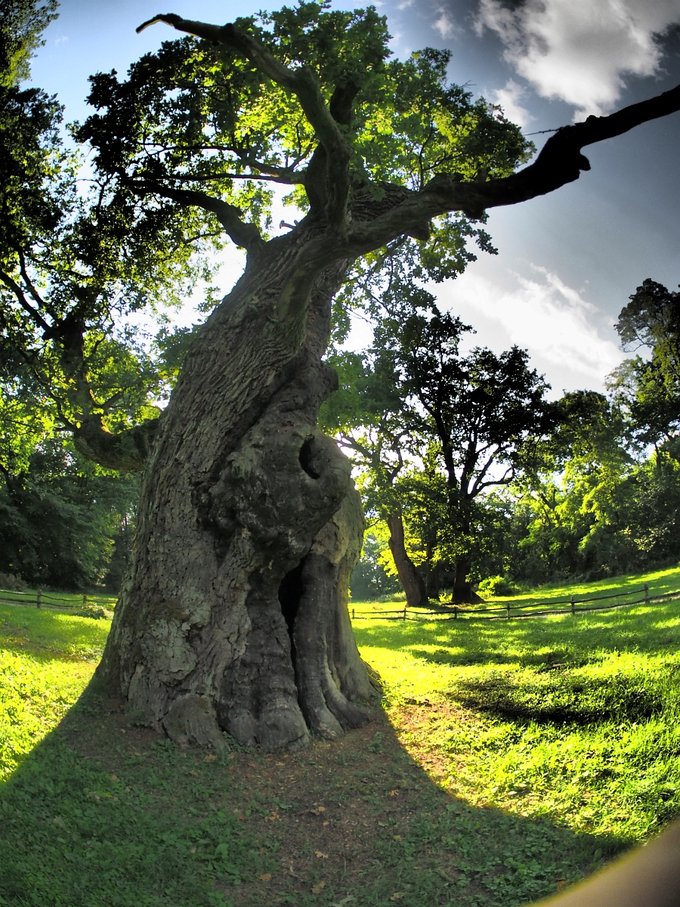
{"x": 242, "y": 233}
{"x": 126, "y": 451}
{"x": 20, "y": 297}
{"x": 560, "y": 162}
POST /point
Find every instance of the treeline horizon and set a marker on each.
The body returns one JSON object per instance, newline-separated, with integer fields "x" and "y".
{"x": 582, "y": 488}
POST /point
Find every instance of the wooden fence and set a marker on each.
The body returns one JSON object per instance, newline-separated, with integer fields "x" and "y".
{"x": 500, "y": 611}
{"x": 45, "y": 600}
{"x": 518, "y": 610}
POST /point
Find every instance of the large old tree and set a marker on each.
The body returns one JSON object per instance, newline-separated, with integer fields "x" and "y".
{"x": 234, "y": 615}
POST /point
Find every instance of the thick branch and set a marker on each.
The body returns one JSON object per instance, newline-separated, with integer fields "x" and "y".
{"x": 560, "y": 162}
{"x": 126, "y": 451}
{"x": 326, "y": 178}
{"x": 242, "y": 233}
{"x": 479, "y": 483}
{"x": 259, "y": 170}
{"x": 300, "y": 82}
{"x": 20, "y": 297}
{"x": 35, "y": 296}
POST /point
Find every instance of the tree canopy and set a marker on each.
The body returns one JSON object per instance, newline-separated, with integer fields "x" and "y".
{"x": 188, "y": 150}
{"x": 23, "y": 22}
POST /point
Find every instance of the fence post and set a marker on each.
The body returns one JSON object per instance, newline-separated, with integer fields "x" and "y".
{"x": 646, "y": 592}
{"x": 508, "y": 610}
{"x": 573, "y": 605}
{"x": 455, "y": 612}
{"x": 84, "y": 600}
{"x": 38, "y": 601}
{"x": 403, "y": 616}
{"x": 353, "y": 614}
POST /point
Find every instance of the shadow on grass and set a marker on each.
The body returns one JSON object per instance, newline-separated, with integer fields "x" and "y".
{"x": 102, "y": 814}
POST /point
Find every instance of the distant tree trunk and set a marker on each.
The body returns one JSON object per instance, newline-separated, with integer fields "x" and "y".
{"x": 463, "y": 593}
{"x": 411, "y": 581}
{"x": 234, "y": 617}
{"x": 436, "y": 580}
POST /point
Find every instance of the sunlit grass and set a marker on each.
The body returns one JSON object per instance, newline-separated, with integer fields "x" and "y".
{"x": 575, "y": 718}
{"x": 659, "y": 581}
{"x": 552, "y": 743}
{"x": 46, "y": 660}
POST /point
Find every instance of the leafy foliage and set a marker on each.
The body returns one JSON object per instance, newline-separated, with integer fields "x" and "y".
{"x": 436, "y": 428}
{"x": 648, "y": 388}
{"x": 185, "y": 154}
{"x": 23, "y": 22}
{"x": 61, "y": 517}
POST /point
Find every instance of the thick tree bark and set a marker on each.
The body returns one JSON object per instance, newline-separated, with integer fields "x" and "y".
{"x": 411, "y": 581}
{"x": 235, "y": 616}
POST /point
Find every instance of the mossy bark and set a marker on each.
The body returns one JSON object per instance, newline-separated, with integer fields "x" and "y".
{"x": 234, "y": 618}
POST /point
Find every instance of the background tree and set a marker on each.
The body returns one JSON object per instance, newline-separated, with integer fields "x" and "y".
{"x": 234, "y": 617}
{"x": 432, "y": 430}
{"x": 370, "y": 579}
{"x": 648, "y": 386}
{"x": 485, "y": 412}
{"x": 370, "y": 418}
{"x": 61, "y": 518}
{"x": 569, "y": 502}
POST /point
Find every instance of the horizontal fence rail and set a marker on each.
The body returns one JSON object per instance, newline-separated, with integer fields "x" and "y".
{"x": 519, "y": 610}
{"x": 498, "y": 611}
{"x": 45, "y": 600}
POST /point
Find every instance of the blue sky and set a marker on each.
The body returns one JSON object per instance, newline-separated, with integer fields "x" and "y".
{"x": 568, "y": 262}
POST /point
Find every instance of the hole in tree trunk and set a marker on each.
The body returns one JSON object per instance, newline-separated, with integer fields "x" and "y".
{"x": 307, "y": 458}
{"x": 290, "y": 593}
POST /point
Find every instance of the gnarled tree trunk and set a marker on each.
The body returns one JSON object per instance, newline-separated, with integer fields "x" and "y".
{"x": 235, "y": 616}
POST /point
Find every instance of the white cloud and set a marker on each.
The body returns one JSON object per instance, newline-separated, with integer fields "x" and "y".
{"x": 444, "y": 24}
{"x": 562, "y": 330}
{"x": 580, "y": 51}
{"x": 509, "y": 98}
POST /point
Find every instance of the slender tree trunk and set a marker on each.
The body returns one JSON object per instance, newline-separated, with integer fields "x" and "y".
{"x": 411, "y": 581}
{"x": 234, "y": 617}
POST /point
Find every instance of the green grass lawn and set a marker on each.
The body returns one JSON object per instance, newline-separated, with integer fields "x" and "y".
{"x": 576, "y": 718}
{"x": 517, "y": 756}
{"x": 46, "y": 660}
